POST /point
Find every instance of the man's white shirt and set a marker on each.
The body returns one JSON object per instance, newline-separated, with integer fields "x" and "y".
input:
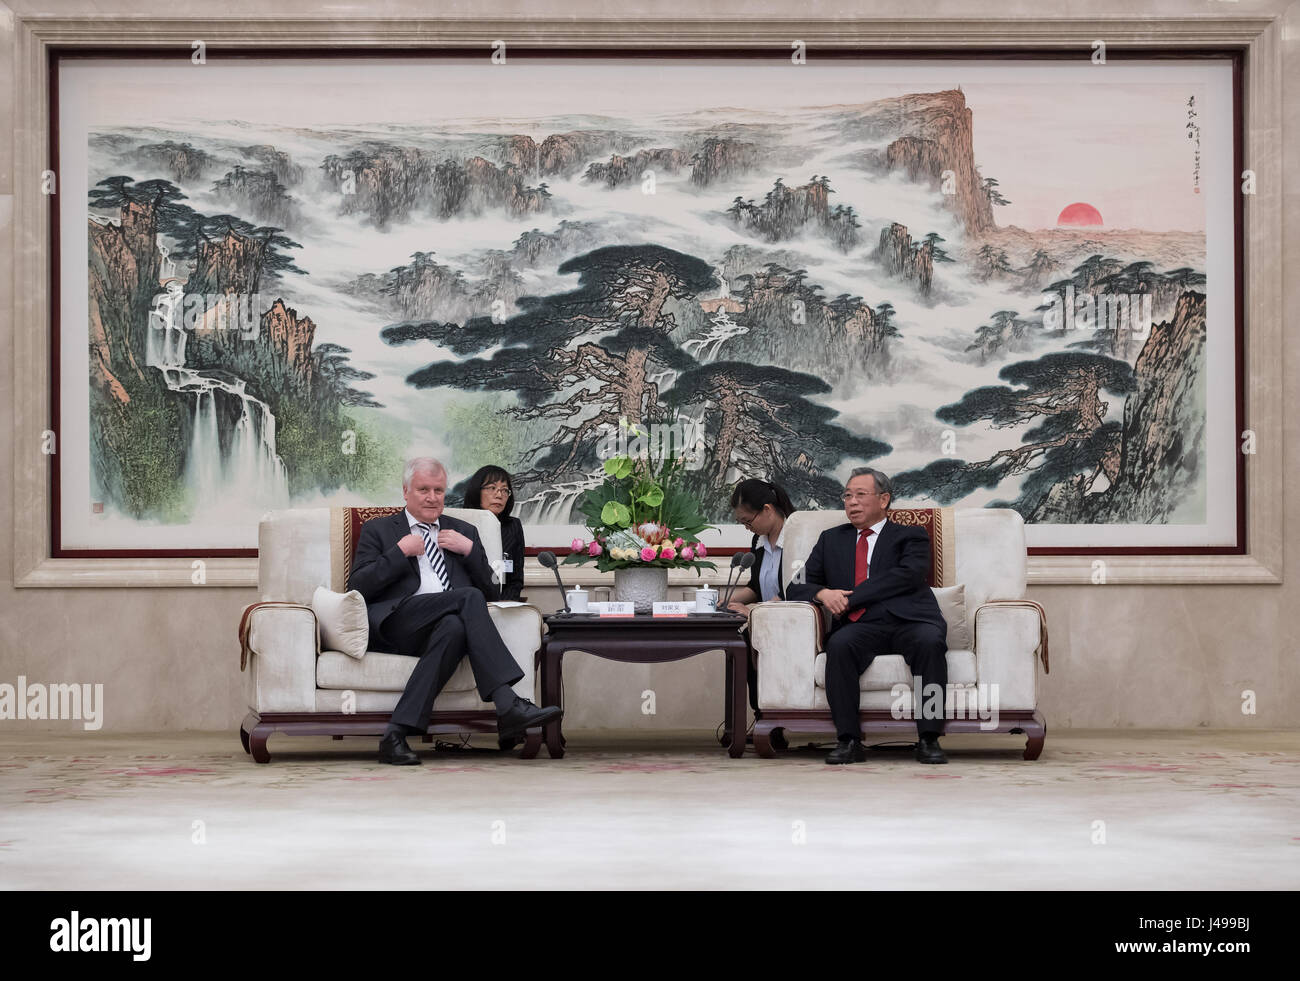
{"x": 429, "y": 581}
{"x": 872, "y": 539}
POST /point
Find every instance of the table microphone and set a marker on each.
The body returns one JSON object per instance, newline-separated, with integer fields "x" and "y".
{"x": 744, "y": 560}
{"x": 548, "y": 559}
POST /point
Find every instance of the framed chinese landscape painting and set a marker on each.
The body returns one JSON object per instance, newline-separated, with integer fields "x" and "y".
{"x": 1004, "y": 281}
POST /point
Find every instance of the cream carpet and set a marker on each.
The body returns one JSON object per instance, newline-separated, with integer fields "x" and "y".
{"x": 1099, "y": 810}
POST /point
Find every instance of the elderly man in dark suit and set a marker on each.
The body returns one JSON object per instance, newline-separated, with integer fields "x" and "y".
{"x": 871, "y": 575}
{"x": 424, "y": 576}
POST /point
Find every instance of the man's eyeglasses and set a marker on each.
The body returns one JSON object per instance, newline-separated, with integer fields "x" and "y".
{"x": 860, "y": 496}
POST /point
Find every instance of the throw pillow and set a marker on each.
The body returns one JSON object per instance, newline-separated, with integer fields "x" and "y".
{"x": 343, "y": 623}
{"x": 952, "y": 604}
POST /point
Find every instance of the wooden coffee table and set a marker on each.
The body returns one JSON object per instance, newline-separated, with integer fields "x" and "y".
{"x": 645, "y": 639}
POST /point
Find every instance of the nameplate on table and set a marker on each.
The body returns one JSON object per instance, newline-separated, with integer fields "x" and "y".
{"x": 612, "y": 608}
{"x": 672, "y": 608}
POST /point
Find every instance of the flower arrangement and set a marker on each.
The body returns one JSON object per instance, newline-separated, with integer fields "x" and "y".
{"x": 639, "y": 517}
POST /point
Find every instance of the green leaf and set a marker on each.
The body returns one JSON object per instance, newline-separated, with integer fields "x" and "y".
{"x": 614, "y": 513}
{"x": 653, "y": 497}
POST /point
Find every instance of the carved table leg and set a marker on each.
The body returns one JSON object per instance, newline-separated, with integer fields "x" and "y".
{"x": 552, "y": 686}
{"x": 736, "y": 657}
{"x": 728, "y": 723}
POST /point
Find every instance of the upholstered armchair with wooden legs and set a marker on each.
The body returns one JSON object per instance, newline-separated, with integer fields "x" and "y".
{"x": 296, "y": 686}
{"x": 996, "y": 637}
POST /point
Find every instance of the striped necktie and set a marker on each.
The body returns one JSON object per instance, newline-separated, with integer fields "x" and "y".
{"x": 434, "y": 553}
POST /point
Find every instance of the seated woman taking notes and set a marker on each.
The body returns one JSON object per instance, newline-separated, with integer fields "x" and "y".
{"x": 762, "y": 508}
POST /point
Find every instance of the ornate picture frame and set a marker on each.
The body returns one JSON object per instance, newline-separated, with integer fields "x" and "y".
{"x": 1254, "y": 557}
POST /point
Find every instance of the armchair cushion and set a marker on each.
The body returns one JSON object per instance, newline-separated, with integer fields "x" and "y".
{"x": 380, "y": 672}
{"x": 344, "y": 626}
{"x": 887, "y": 670}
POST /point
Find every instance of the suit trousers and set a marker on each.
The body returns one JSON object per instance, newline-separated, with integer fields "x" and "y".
{"x": 441, "y": 629}
{"x": 851, "y": 649}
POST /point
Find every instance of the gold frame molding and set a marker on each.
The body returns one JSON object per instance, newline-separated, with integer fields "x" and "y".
{"x": 1259, "y": 37}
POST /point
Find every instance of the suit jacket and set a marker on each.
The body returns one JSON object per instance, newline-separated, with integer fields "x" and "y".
{"x": 760, "y": 553}
{"x": 897, "y": 579}
{"x": 512, "y": 543}
{"x": 385, "y": 577}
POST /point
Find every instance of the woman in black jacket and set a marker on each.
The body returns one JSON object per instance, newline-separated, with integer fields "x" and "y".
{"x": 762, "y": 508}
{"x": 490, "y": 489}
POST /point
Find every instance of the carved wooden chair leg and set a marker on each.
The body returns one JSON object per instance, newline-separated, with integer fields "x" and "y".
{"x": 1035, "y": 736}
{"x": 257, "y": 743}
{"x": 763, "y": 739}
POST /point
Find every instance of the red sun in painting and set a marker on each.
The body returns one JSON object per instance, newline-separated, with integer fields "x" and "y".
{"x": 1079, "y": 214}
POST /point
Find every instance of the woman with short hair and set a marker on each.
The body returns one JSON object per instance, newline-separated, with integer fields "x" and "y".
{"x": 490, "y": 489}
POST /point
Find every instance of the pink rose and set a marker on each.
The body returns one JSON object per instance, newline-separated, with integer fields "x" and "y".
{"x": 668, "y": 552}
{"x": 648, "y": 554}
{"x": 576, "y": 545}
{"x": 679, "y": 543}
{"x": 593, "y": 548}
{"x": 700, "y": 550}
{"x": 688, "y": 553}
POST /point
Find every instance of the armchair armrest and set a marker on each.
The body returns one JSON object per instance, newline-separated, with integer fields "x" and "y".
{"x": 278, "y": 644}
{"x": 1009, "y": 634}
{"x": 520, "y": 628}
{"x": 786, "y": 637}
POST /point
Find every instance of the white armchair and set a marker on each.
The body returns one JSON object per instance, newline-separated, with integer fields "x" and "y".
{"x": 293, "y": 686}
{"x": 992, "y": 679}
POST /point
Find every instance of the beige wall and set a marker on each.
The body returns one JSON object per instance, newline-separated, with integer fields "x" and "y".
{"x": 1142, "y": 656}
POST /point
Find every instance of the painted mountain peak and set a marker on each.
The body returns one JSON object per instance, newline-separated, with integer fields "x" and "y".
{"x": 803, "y": 292}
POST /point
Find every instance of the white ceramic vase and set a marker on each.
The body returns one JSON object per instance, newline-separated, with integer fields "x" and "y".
{"x": 642, "y": 587}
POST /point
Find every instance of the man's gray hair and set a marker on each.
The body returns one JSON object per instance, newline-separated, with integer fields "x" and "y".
{"x": 421, "y": 463}
{"x": 883, "y": 484}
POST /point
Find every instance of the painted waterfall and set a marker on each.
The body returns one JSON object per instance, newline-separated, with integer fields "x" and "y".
{"x": 935, "y": 276}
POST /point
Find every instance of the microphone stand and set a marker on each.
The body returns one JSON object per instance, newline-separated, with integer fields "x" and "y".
{"x": 746, "y": 559}
{"x": 548, "y": 559}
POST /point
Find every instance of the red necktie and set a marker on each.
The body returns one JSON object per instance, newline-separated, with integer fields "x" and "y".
{"x": 860, "y": 568}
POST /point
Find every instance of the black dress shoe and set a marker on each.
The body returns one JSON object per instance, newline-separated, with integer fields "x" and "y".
{"x": 393, "y": 749}
{"x": 525, "y": 715}
{"x": 927, "y": 749}
{"x": 847, "y": 751}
